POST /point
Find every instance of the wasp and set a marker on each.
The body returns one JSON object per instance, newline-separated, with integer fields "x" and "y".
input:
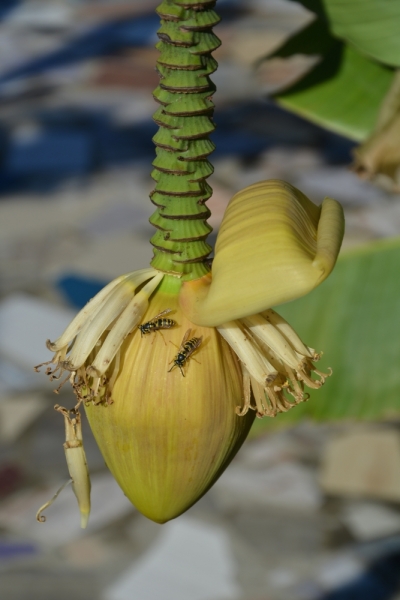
{"x": 157, "y": 323}
{"x": 186, "y": 349}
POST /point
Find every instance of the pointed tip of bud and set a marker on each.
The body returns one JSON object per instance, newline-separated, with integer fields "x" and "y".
{"x": 84, "y": 519}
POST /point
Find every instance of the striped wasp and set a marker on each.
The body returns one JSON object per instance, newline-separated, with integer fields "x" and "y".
{"x": 186, "y": 349}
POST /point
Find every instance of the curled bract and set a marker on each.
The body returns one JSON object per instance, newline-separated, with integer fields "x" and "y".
{"x": 274, "y": 245}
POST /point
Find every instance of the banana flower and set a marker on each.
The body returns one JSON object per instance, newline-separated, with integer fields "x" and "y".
{"x": 167, "y": 438}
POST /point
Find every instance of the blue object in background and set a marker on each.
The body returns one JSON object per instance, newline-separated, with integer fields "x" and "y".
{"x": 381, "y": 581}
{"x": 6, "y": 6}
{"x": 73, "y": 142}
{"x": 337, "y": 150}
{"x": 238, "y": 142}
{"x": 51, "y": 152}
{"x": 10, "y": 550}
{"x": 118, "y": 145}
{"x": 78, "y": 290}
{"x": 103, "y": 40}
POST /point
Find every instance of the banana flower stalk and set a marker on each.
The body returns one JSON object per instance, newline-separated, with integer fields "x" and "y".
{"x": 172, "y": 363}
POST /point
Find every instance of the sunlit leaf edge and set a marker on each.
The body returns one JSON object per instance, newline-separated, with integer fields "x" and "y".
{"x": 342, "y": 93}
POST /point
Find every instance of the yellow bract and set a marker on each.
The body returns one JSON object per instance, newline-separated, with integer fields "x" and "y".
{"x": 273, "y": 246}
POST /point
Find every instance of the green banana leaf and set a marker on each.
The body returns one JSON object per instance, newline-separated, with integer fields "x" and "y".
{"x": 342, "y": 93}
{"x": 359, "y": 45}
{"x": 354, "y": 317}
{"x": 372, "y": 26}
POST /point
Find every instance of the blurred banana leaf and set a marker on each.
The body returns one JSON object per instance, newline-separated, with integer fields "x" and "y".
{"x": 358, "y": 43}
{"x": 354, "y": 317}
{"x": 343, "y": 92}
{"x": 371, "y": 26}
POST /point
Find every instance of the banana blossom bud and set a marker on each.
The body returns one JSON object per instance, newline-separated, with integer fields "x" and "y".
{"x": 162, "y": 406}
{"x": 172, "y": 374}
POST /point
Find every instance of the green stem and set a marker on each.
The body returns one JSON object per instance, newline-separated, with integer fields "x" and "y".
{"x": 182, "y": 142}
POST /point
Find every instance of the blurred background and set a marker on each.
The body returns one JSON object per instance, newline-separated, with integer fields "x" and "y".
{"x": 310, "y": 508}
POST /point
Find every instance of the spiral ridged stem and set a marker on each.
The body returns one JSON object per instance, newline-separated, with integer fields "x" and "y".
{"x": 182, "y": 141}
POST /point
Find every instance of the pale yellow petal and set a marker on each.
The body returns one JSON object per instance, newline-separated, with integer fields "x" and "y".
{"x": 271, "y": 336}
{"x": 124, "y": 325}
{"x": 274, "y": 245}
{"x": 245, "y": 350}
{"x": 79, "y": 473}
{"x": 76, "y": 461}
{"x": 288, "y": 332}
{"x": 113, "y": 305}
{"x": 91, "y": 308}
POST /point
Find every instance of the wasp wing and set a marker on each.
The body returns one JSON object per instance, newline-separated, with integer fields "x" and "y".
{"x": 161, "y": 314}
{"x": 185, "y": 338}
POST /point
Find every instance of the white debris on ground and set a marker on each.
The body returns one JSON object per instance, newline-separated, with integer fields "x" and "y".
{"x": 108, "y": 505}
{"x": 206, "y": 566}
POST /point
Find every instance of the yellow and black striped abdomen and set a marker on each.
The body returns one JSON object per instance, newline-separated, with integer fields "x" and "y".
{"x": 163, "y": 324}
{"x": 191, "y": 345}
